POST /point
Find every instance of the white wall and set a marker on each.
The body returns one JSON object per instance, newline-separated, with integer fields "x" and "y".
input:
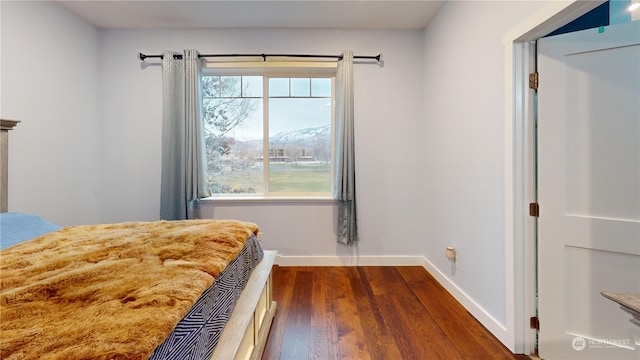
{"x": 49, "y": 82}
{"x": 88, "y": 149}
{"x": 429, "y": 134}
{"x": 464, "y": 147}
{"x": 389, "y": 150}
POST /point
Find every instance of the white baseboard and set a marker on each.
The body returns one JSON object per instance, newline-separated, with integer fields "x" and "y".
{"x": 349, "y": 260}
{"x": 495, "y": 327}
{"x": 488, "y": 321}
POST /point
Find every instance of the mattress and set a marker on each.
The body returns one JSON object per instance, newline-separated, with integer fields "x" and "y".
{"x": 197, "y": 334}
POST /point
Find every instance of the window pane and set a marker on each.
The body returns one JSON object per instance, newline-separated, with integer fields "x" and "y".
{"x": 233, "y": 135}
{"x": 299, "y": 154}
{"x": 300, "y": 87}
{"x": 252, "y": 86}
{"x": 230, "y": 86}
{"x": 279, "y": 87}
{"x": 321, "y": 87}
{"x": 300, "y": 145}
{"x": 210, "y": 86}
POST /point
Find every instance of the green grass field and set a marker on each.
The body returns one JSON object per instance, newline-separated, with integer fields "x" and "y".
{"x": 300, "y": 181}
{"x": 283, "y": 178}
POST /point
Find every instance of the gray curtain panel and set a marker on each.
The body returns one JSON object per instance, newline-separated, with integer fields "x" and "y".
{"x": 345, "y": 190}
{"x": 183, "y": 177}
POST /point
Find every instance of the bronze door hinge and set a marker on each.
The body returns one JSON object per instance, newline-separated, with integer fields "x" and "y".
{"x": 534, "y": 210}
{"x": 533, "y": 81}
{"x": 534, "y": 323}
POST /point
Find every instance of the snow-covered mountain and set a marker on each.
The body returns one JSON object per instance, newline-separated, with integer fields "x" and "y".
{"x": 302, "y": 136}
{"x": 309, "y": 138}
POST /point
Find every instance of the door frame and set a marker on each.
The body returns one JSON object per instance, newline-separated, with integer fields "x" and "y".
{"x": 520, "y": 249}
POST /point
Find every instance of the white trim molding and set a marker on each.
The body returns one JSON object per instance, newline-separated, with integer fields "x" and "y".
{"x": 350, "y": 260}
{"x": 519, "y": 259}
{"x": 494, "y": 326}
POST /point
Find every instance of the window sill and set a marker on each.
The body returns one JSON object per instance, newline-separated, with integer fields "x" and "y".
{"x": 235, "y": 200}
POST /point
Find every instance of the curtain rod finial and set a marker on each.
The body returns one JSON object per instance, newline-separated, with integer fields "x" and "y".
{"x": 141, "y": 56}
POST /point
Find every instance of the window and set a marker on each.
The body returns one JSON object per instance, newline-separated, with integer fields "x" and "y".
{"x": 269, "y": 134}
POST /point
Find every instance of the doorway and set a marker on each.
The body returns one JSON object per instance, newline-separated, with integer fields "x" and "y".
{"x": 520, "y": 180}
{"x": 589, "y": 191}
{"x": 520, "y": 164}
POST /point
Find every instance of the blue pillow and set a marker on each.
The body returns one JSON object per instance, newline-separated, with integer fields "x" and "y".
{"x": 17, "y": 227}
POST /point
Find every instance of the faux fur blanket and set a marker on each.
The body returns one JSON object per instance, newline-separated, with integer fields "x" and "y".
{"x": 109, "y": 291}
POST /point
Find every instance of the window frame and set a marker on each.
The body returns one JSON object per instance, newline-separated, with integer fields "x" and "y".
{"x": 274, "y": 69}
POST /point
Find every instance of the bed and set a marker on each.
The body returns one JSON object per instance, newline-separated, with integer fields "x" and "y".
{"x": 193, "y": 289}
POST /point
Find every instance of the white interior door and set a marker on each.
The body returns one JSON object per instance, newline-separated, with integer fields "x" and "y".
{"x": 589, "y": 192}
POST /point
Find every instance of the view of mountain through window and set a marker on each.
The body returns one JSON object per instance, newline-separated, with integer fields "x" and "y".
{"x": 294, "y": 115}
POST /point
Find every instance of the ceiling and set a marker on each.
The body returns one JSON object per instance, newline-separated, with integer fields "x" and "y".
{"x": 310, "y": 14}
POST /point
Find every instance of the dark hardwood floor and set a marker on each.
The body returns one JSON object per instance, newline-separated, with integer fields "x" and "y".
{"x": 372, "y": 313}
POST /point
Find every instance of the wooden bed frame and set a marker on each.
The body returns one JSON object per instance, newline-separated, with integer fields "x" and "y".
{"x": 5, "y": 126}
{"x": 245, "y": 335}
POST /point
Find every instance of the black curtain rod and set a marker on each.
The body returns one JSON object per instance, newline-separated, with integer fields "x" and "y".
{"x": 142, "y": 56}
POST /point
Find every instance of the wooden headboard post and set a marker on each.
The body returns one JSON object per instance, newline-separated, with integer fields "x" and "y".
{"x": 5, "y": 126}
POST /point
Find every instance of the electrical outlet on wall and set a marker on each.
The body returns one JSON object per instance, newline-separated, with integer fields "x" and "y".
{"x": 451, "y": 253}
